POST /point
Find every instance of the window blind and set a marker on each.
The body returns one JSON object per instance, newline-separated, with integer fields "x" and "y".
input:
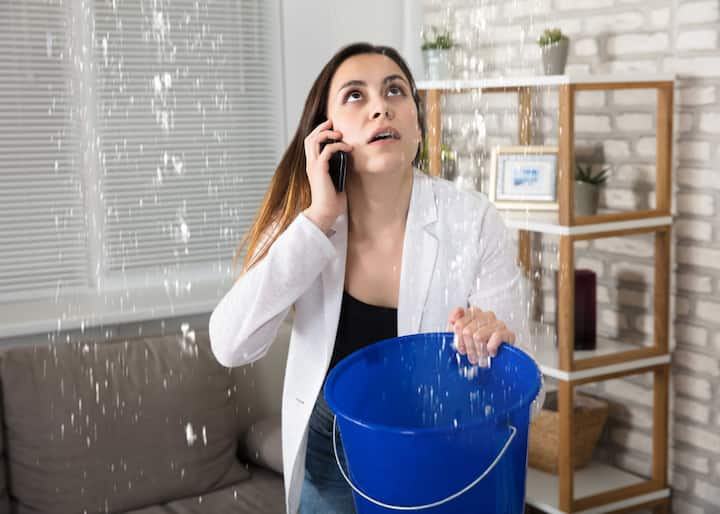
{"x": 188, "y": 140}
{"x": 138, "y": 138}
{"x": 42, "y": 228}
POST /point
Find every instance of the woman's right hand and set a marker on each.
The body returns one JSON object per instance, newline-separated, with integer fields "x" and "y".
{"x": 326, "y": 203}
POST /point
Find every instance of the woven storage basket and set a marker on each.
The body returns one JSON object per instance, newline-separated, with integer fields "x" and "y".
{"x": 590, "y": 416}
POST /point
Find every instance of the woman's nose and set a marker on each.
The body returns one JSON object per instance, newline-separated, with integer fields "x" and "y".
{"x": 384, "y": 111}
{"x": 381, "y": 108}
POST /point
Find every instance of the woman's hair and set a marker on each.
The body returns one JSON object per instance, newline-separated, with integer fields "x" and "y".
{"x": 289, "y": 191}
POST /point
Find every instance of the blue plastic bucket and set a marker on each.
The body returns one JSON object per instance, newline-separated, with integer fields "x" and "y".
{"x": 425, "y": 431}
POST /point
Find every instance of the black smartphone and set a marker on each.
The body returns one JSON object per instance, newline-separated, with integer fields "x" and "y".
{"x": 338, "y": 167}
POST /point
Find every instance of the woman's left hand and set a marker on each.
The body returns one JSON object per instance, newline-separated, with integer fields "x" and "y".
{"x": 478, "y": 333}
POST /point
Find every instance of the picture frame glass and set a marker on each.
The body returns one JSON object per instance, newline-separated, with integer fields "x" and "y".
{"x": 527, "y": 178}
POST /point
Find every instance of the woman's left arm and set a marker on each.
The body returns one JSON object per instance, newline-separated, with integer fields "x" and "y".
{"x": 498, "y": 306}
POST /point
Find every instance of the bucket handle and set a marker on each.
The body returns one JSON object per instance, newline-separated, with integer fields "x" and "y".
{"x": 465, "y": 489}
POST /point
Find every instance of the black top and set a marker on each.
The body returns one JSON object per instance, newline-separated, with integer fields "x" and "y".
{"x": 360, "y": 325}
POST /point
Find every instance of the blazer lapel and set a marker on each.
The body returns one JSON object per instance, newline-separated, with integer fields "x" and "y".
{"x": 420, "y": 250}
{"x": 333, "y": 279}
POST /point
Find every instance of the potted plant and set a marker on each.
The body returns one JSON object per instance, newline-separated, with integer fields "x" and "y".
{"x": 587, "y": 186}
{"x": 554, "y": 47}
{"x": 448, "y": 160}
{"x": 436, "y": 54}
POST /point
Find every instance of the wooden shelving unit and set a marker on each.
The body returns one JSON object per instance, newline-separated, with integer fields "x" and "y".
{"x": 597, "y": 488}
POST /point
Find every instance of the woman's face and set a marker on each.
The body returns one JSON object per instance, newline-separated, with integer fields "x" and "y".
{"x": 371, "y": 104}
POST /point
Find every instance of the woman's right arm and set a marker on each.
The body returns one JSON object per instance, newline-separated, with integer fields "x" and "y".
{"x": 245, "y": 322}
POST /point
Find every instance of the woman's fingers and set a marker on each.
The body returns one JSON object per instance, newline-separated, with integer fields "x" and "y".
{"x": 331, "y": 148}
{"x": 478, "y": 333}
{"x": 455, "y": 315}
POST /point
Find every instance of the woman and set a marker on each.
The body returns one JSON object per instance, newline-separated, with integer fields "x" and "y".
{"x": 397, "y": 253}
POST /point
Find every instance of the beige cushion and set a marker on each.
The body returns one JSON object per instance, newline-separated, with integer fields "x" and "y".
{"x": 262, "y": 494}
{"x": 263, "y": 444}
{"x": 109, "y": 427}
{"x": 4, "y": 498}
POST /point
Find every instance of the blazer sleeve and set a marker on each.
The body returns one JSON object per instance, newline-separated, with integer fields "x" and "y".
{"x": 245, "y": 322}
{"x": 499, "y": 285}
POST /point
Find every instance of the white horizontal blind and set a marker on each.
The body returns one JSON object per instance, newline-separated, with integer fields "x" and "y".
{"x": 42, "y": 221}
{"x": 188, "y": 139}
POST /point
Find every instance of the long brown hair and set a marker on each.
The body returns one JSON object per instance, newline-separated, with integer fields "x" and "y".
{"x": 289, "y": 190}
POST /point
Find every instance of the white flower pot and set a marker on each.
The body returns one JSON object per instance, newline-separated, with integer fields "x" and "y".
{"x": 586, "y": 199}
{"x": 437, "y": 64}
{"x": 554, "y": 57}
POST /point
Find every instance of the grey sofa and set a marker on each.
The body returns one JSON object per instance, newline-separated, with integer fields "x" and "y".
{"x": 141, "y": 426}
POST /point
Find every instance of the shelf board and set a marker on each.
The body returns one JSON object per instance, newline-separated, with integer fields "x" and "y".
{"x": 547, "y": 223}
{"x": 542, "y": 488}
{"x": 548, "y": 358}
{"x": 544, "y": 80}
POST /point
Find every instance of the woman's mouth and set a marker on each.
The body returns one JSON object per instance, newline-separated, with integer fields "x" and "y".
{"x": 384, "y": 135}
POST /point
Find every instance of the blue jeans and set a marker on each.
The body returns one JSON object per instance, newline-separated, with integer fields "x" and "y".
{"x": 324, "y": 489}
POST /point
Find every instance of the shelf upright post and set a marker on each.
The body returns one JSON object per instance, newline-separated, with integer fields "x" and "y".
{"x": 663, "y": 142}
{"x": 566, "y": 294}
{"x": 434, "y": 130}
{"x": 663, "y": 203}
{"x": 565, "y": 331}
{"x": 524, "y": 137}
{"x": 566, "y": 157}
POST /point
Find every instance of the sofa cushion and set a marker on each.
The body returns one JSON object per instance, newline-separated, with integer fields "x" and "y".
{"x": 109, "y": 427}
{"x": 4, "y": 498}
{"x": 262, "y": 494}
{"x": 263, "y": 443}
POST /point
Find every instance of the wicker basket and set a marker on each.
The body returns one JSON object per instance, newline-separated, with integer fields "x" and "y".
{"x": 590, "y": 416}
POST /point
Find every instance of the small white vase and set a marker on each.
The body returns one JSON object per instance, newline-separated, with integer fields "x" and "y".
{"x": 437, "y": 64}
{"x": 586, "y": 199}
{"x": 554, "y": 57}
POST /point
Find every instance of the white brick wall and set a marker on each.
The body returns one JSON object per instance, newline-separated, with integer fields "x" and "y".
{"x": 697, "y": 12}
{"x": 696, "y": 387}
{"x": 693, "y": 229}
{"x": 693, "y": 410}
{"x": 697, "y": 362}
{"x": 705, "y": 439}
{"x": 697, "y": 40}
{"x": 691, "y": 461}
{"x": 691, "y": 96}
{"x": 634, "y": 122}
{"x": 710, "y": 492}
{"x": 697, "y": 204}
{"x": 697, "y": 256}
{"x": 710, "y": 123}
{"x": 630, "y": 44}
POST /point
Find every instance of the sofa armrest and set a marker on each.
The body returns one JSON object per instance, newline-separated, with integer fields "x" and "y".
{"x": 262, "y": 443}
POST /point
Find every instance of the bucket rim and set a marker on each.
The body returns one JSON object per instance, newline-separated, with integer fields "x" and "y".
{"x": 349, "y": 360}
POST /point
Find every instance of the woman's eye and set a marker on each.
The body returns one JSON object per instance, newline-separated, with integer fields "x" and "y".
{"x": 353, "y": 96}
{"x": 395, "y": 91}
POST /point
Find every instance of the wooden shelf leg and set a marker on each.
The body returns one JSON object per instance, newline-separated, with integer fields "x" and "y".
{"x": 565, "y": 453}
{"x": 566, "y": 157}
{"x": 661, "y": 389}
{"x": 664, "y": 140}
{"x": 434, "y": 131}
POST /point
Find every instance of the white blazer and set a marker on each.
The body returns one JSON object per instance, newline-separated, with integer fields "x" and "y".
{"x": 456, "y": 252}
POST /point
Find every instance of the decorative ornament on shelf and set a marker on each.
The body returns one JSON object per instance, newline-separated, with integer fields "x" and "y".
{"x": 587, "y": 185}
{"x": 554, "y": 47}
{"x": 448, "y": 160}
{"x": 436, "y": 54}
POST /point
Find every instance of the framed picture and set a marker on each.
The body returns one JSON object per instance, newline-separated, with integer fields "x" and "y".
{"x": 524, "y": 177}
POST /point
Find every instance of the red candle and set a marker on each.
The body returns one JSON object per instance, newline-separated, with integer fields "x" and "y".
{"x": 585, "y": 309}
